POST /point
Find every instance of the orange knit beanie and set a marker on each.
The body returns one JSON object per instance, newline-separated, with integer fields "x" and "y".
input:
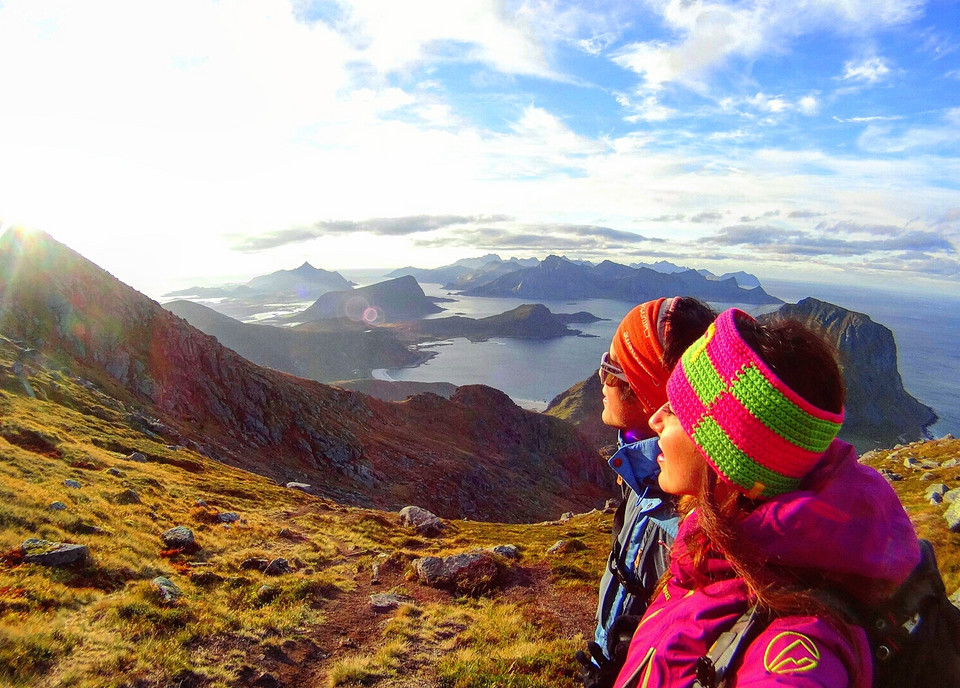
{"x": 639, "y": 352}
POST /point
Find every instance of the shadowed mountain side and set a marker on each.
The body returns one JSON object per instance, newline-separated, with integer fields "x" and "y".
{"x": 532, "y": 321}
{"x": 389, "y": 301}
{"x": 558, "y": 278}
{"x": 879, "y": 411}
{"x": 348, "y": 352}
{"x": 476, "y": 455}
{"x": 582, "y": 405}
{"x": 397, "y": 390}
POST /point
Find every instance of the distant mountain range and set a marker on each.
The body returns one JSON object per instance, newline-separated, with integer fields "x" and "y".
{"x": 559, "y": 278}
{"x": 304, "y": 282}
{"x": 879, "y": 411}
{"x": 469, "y": 274}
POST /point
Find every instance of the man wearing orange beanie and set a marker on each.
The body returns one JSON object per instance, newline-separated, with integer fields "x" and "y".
{"x": 647, "y": 344}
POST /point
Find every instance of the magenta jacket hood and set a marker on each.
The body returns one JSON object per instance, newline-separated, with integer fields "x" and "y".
{"x": 846, "y": 523}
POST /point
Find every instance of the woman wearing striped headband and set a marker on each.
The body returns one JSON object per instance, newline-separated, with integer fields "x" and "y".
{"x": 777, "y": 507}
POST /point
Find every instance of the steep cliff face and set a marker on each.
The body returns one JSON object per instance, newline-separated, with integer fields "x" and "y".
{"x": 351, "y": 446}
{"x": 879, "y": 411}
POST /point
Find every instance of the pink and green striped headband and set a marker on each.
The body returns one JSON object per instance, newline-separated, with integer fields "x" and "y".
{"x": 759, "y": 434}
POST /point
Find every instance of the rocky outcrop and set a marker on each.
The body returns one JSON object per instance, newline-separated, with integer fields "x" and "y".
{"x": 529, "y": 321}
{"x": 879, "y": 411}
{"x": 390, "y": 301}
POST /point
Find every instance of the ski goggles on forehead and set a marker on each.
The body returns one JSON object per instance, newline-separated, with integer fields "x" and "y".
{"x": 609, "y": 371}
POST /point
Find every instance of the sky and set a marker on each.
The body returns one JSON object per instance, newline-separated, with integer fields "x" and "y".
{"x": 197, "y": 142}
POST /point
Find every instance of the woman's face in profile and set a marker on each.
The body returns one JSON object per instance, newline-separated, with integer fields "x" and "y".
{"x": 682, "y": 466}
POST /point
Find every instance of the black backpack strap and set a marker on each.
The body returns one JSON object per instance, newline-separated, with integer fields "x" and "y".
{"x": 713, "y": 667}
{"x": 897, "y": 620}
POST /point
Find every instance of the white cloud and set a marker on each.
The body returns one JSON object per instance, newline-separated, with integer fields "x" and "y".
{"x": 871, "y": 118}
{"x": 645, "y": 109}
{"x": 711, "y": 33}
{"x": 808, "y": 105}
{"x": 870, "y": 70}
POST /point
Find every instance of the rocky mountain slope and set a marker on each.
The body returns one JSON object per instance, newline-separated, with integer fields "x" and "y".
{"x": 879, "y": 411}
{"x": 481, "y": 455}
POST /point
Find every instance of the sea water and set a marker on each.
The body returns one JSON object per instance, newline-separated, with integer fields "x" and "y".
{"x": 532, "y": 372}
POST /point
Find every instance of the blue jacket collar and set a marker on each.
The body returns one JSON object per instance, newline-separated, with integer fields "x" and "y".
{"x": 636, "y": 463}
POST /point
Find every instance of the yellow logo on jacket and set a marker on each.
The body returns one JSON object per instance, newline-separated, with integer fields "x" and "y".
{"x": 791, "y": 653}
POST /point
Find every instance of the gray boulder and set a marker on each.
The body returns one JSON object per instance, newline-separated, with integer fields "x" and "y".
{"x": 57, "y": 506}
{"x": 566, "y": 547}
{"x": 138, "y": 457}
{"x": 421, "y": 520}
{"x": 383, "y": 602}
{"x": 169, "y": 593}
{"x": 277, "y": 567}
{"x": 228, "y": 517}
{"x": 950, "y": 496}
{"x": 506, "y": 551}
{"x": 180, "y": 537}
{"x": 952, "y": 517}
{"x": 128, "y": 497}
{"x": 469, "y": 573}
{"x": 48, "y": 553}
{"x": 73, "y": 484}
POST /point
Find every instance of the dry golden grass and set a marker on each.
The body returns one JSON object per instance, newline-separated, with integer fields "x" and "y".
{"x": 103, "y": 623}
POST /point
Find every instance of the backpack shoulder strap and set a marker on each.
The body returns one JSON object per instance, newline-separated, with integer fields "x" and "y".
{"x": 713, "y": 667}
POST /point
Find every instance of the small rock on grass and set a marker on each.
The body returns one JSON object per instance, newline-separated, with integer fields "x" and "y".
{"x": 169, "y": 593}
{"x": 384, "y": 602}
{"x": 48, "y": 553}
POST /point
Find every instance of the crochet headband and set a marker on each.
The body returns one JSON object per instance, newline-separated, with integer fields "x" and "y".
{"x": 637, "y": 345}
{"x": 757, "y": 433}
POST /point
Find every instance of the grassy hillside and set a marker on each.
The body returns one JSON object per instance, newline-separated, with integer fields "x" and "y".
{"x": 102, "y": 622}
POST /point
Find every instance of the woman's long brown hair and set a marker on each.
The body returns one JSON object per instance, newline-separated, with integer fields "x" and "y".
{"x": 802, "y": 360}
